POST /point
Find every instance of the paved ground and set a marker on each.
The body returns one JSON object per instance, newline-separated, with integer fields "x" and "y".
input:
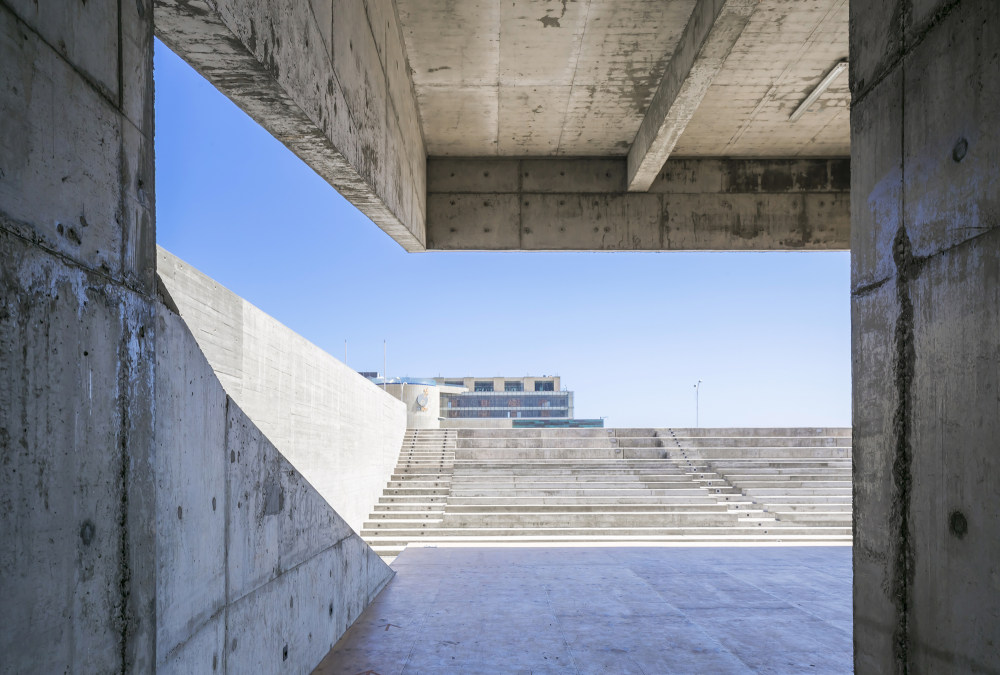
{"x": 606, "y": 610}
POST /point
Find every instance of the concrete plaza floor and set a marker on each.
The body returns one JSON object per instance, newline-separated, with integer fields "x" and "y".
{"x": 606, "y": 610}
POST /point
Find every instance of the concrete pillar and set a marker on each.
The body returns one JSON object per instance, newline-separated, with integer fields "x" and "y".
{"x": 925, "y": 78}
{"x": 77, "y": 346}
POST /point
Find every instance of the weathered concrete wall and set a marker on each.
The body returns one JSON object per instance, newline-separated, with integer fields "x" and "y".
{"x": 583, "y": 204}
{"x": 255, "y": 572}
{"x": 329, "y": 79}
{"x": 339, "y": 430}
{"x": 926, "y": 335}
{"x": 77, "y": 337}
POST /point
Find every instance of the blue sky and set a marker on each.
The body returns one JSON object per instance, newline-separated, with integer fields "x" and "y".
{"x": 767, "y": 333}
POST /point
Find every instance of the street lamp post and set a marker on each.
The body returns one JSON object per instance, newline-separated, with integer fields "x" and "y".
{"x": 697, "y": 390}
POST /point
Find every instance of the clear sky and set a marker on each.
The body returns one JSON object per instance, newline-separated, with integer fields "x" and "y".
{"x": 631, "y": 333}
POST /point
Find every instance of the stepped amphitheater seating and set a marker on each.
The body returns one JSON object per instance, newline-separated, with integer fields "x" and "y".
{"x": 615, "y": 486}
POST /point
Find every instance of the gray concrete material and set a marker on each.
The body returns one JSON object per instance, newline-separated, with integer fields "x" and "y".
{"x": 783, "y": 52}
{"x": 709, "y": 37}
{"x": 75, "y": 424}
{"x": 342, "y": 433}
{"x": 510, "y": 487}
{"x": 328, "y": 79}
{"x": 76, "y": 341}
{"x": 254, "y": 569}
{"x": 192, "y": 497}
{"x": 692, "y": 433}
{"x": 579, "y": 79}
{"x": 554, "y": 78}
{"x": 78, "y": 154}
{"x": 924, "y": 313}
{"x": 583, "y": 205}
{"x": 620, "y": 610}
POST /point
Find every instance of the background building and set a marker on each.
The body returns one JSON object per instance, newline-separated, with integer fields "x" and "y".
{"x": 484, "y": 401}
{"x": 522, "y": 398}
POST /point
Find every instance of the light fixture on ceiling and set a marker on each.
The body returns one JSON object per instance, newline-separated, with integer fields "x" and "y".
{"x": 824, "y": 84}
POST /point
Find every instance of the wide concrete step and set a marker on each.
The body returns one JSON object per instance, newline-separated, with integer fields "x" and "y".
{"x": 790, "y": 491}
{"x": 405, "y": 515}
{"x": 506, "y": 499}
{"x": 388, "y": 536}
{"x": 751, "y": 471}
{"x": 824, "y": 505}
{"x": 669, "y": 473}
{"x": 588, "y": 507}
{"x": 734, "y": 442}
{"x": 411, "y": 506}
{"x": 412, "y": 499}
{"x": 533, "y": 443}
{"x": 593, "y": 483}
{"x": 618, "y": 519}
{"x": 585, "y": 492}
{"x": 534, "y": 433}
{"x": 811, "y": 517}
{"x": 785, "y": 485}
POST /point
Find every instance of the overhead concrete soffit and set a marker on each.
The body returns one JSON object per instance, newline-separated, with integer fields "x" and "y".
{"x": 711, "y": 33}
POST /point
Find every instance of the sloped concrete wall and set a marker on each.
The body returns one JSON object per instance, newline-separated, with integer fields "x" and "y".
{"x": 255, "y": 572}
{"x": 77, "y": 337}
{"x": 338, "y": 429}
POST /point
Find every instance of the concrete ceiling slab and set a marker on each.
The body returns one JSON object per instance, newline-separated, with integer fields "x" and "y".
{"x": 782, "y": 54}
{"x": 565, "y": 77}
{"x": 576, "y": 77}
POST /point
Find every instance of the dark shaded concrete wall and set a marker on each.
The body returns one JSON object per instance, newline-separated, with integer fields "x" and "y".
{"x": 147, "y": 524}
{"x": 77, "y": 337}
{"x": 925, "y": 77}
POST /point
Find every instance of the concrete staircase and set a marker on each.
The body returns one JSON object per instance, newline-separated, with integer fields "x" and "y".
{"x": 416, "y": 496}
{"x": 616, "y": 486}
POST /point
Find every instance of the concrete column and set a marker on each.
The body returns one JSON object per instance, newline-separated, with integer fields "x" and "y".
{"x": 925, "y": 77}
{"x": 77, "y": 346}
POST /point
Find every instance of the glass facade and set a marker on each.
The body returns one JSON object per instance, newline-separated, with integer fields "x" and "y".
{"x": 507, "y": 404}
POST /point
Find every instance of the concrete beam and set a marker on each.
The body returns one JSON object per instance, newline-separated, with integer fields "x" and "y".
{"x": 583, "y": 204}
{"x": 711, "y": 32}
{"x": 330, "y": 80}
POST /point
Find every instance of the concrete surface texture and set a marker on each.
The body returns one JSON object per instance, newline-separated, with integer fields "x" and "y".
{"x": 606, "y": 610}
{"x": 254, "y": 571}
{"x": 577, "y": 79}
{"x": 584, "y": 204}
{"x": 336, "y": 428}
{"x": 366, "y": 90}
{"x": 77, "y": 338}
{"x": 332, "y": 80}
{"x": 926, "y": 335}
{"x": 517, "y": 487}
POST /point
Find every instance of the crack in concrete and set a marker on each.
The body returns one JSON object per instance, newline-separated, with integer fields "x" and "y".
{"x": 903, "y": 370}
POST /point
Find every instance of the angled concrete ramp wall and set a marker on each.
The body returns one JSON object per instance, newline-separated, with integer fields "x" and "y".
{"x": 254, "y": 571}
{"x": 337, "y": 428}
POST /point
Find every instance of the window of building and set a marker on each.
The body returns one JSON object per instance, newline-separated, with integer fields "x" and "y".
{"x": 486, "y": 385}
{"x": 454, "y": 383}
{"x": 513, "y": 386}
{"x": 545, "y": 385}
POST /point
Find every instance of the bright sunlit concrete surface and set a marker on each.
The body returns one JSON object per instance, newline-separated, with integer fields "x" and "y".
{"x": 606, "y": 610}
